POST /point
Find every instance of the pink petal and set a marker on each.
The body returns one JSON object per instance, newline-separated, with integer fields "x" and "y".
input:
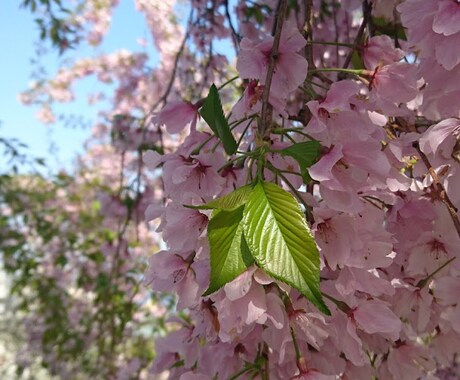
{"x": 176, "y": 115}
{"x": 322, "y": 170}
{"x": 447, "y": 19}
{"x": 152, "y": 159}
{"x": 375, "y": 317}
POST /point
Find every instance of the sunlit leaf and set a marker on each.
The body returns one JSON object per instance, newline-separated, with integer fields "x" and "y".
{"x": 227, "y": 202}
{"x": 213, "y": 114}
{"x": 305, "y": 153}
{"x": 280, "y": 240}
{"x": 229, "y": 254}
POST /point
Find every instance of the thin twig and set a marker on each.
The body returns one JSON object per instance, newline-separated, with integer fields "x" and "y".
{"x": 164, "y": 97}
{"x": 367, "y": 10}
{"x": 307, "y": 32}
{"x": 308, "y": 35}
{"x": 236, "y": 38}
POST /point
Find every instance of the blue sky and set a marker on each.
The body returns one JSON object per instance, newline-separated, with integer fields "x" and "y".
{"x": 59, "y": 144}
{"x": 18, "y": 35}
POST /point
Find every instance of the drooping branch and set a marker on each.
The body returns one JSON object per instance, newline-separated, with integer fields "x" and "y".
{"x": 164, "y": 97}
{"x": 235, "y": 36}
{"x": 367, "y": 14}
{"x": 266, "y": 114}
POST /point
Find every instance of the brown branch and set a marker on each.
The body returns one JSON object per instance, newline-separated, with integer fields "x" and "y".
{"x": 444, "y": 198}
{"x": 267, "y": 109}
{"x": 164, "y": 97}
{"x": 307, "y": 33}
{"x": 367, "y": 10}
{"x": 236, "y": 38}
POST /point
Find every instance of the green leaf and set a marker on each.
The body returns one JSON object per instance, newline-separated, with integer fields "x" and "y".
{"x": 357, "y": 61}
{"x": 213, "y": 114}
{"x": 280, "y": 240}
{"x": 230, "y": 255}
{"x": 391, "y": 29}
{"x": 227, "y": 202}
{"x": 305, "y": 153}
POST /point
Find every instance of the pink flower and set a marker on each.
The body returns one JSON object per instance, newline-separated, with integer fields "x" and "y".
{"x": 346, "y": 339}
{"x": 434, "y": 246}
{"x": 46, "y": 115}
{"x": 170, "y": 272}
{"x": 447, "y": 289}
{"x": 193, "y": 175}
{"x": 176, "y": 345}
{"x": 380, "y": 51}
{"x": 413, "y": 304}
{"x": 433, "y": 29}
{"x": 310, "y": 325}
{"x": 340, "y": 97}
{"x": 392, "y": 85}
{"x": 441, "y": 92}
{"x": 441, "y": 138}
{"x": 238, "y": 317}
{"x": 409, "y": 361}
{"x": 351, "y": 280}
{"x": 250, "y": 103}
{"x": 291, "y": 68}
{"x": 375, "y": 317}
{"x": 176, "y": 115}
{"x": 152, "y": 159}
{"x": 175, "y": 217}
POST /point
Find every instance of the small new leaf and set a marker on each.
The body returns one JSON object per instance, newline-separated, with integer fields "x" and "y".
{"x": 229, "y": 253}
{"x": 280, "y": 240}
{"x": 213, "y": 114}
{"x": 227, "y": 202}
{"x": 305, "y": 153}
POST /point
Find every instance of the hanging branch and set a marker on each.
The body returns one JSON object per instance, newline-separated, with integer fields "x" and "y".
{"x": 266, "y": 114}
{"x": 367, "y": 14}
{"x": 164, "y": 97}
{"x": 236, "y": 38}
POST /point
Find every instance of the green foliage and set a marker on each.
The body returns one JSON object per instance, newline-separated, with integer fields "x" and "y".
{"x": 227, "y": 202}
{"x": 230, "y": 254}
{"x": 391, "y": 29}
{"x": 305, "y": 153}
{"x": 213, "y": 114}
{"x": 54, "y": 22}
{"x": 264, "y": 224}
{"x": 55, "y": 230}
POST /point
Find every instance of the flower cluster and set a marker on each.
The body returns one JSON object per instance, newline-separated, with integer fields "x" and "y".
{"x": 350, "y": 108}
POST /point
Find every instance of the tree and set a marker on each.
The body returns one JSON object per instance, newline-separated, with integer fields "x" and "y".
{"x": 307, "y": 197}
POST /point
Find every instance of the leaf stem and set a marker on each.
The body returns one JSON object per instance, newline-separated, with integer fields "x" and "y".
{"x": 242, "y": 135}
{"x": 228, "y": 82}
{"x": 296, "y": 130}
{"x": 422, "y": 283}
{"x": 340, "y": 304}
{"x": 367, "y": 15}
{"x": 341, "y": 70}
{"x": 331, "y": 43}
{"x": 233, "y": 126}
{"x": 242, "y": 372}
{"x": 242, "y": 156}
{"x": 202, "y": 145}
{"x": 296, "y": 345}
